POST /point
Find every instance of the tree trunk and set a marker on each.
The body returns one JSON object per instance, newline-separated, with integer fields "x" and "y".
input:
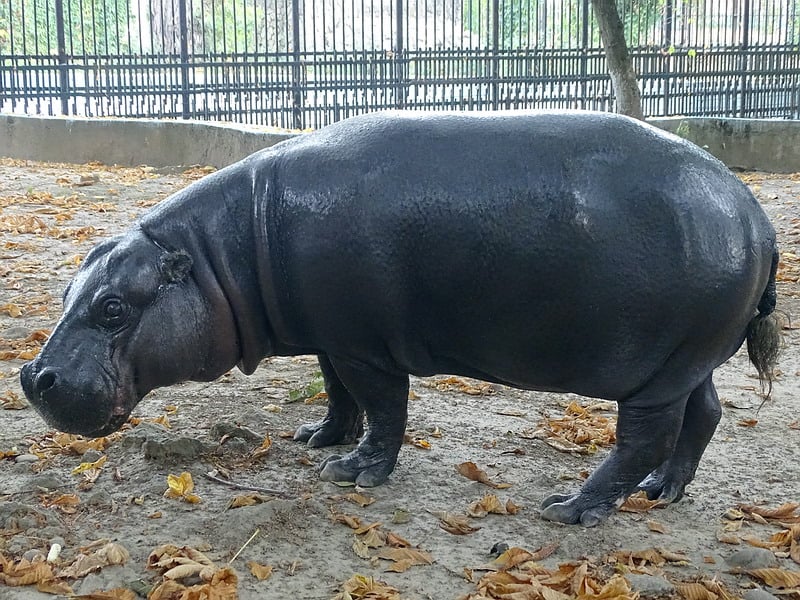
{"x": 620, "y": 67}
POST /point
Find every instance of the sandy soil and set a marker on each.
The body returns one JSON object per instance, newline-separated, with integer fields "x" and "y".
{"x": 50, "y": 215}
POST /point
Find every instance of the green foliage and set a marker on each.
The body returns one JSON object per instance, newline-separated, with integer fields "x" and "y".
{"x": 91, "y": 27}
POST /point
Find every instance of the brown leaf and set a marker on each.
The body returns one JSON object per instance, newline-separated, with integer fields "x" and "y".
{"x": 639, "y": 503}
{"x": 417, "y": 557}
{"x": 695, "y": 591}
{"x": 259, "y": 571}
{"x": 360, "y": 586}
{"x": 359, "y": 499}
{"x": 11, "y": 401}
{"x": 656, "y": 527}
{"x": 471, "y": 471}
{"x": 748, "y": 423}
{"x": 785, "y": 513}
{"x": 777, "y": 578}
{"x": 508, "y": 560}
{"x": 455, "y": 523}
{"x": 248, "y": 500}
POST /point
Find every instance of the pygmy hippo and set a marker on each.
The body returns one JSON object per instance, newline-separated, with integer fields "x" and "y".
{"x": 562, "y": 251}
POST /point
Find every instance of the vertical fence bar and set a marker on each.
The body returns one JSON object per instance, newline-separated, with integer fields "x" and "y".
{"x": 585, "y": 55}
{"x": 743, "y": 58}
{"x": 63, "y": 59}
{"x": 495, "y": 53}
{"x": 666, "y": 34}
{"x": 399, "y": 50}
{"x": 184, "y": 35}
{"x": 298, "y": 120}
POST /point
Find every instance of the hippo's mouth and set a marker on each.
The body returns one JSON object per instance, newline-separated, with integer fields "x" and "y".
{"x": 92, "y": 404}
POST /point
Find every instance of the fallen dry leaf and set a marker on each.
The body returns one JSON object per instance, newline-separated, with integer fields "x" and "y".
{"x": 777, "y": 578}
{"x": 454, "y": 523}
{"x": 180, "y": 488}
{"x": 639, "y": 503}
{"x": 491, "y": 504}
{"x": 24, "y": 572}
{"x": 259, "y": 571}
{"x": 361, "y": 587}
{"x": 10, "y": 400}
{"x": 656, "y": 527}
{"x": 579, "y": 431}
{"x": 471, "y": 471}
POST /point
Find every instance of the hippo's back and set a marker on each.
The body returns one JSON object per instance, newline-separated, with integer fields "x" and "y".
{"x": 545, "y": 250}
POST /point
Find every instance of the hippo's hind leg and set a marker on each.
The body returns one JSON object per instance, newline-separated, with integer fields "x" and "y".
{"x": 384, "y": 397}
{"x": 647, "y": 431}
{"x": 344, "y": 422}
{"x": 700, "y": 420}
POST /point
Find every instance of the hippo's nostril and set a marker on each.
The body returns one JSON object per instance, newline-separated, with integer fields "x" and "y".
{"x": 45, "y": 380}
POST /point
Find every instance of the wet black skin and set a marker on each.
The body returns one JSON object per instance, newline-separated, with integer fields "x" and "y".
{"x": 576, "y": 252}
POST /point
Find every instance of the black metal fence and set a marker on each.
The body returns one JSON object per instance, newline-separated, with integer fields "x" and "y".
{"x": 305, "y": 63}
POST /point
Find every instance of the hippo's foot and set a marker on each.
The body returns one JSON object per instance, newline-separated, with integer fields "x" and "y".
{"x": 330, "y": 432}
{"x": 368, "y": 465}
{"x": 576, "y": 508}
{"x": 666, "y": 483}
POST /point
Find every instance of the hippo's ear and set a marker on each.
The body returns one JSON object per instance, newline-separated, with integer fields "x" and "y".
{"x": 175, "y": 266}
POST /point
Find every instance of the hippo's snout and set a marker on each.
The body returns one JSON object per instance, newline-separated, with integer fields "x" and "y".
{"x": 74, "y": 402}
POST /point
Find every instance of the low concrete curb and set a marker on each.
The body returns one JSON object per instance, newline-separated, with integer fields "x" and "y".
{"x": 130, "y": 142}
{"x": 762, "y": 144}
{"x": 767, "y": 145}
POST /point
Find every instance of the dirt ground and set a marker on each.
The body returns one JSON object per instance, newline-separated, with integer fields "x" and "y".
{"x": 51, "y": 214}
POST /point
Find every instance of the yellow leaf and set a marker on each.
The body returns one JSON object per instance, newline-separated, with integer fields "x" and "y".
{"x": 83, "y": 467}
{"x": 180, "y": 487}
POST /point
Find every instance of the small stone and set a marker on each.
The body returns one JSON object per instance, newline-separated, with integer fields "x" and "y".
{"x": 33, "y": 554}
{"x": 27, "y": 458}
{"x": 498, "y": 549}
{"x": 58, "y": 540}
{"x": 650, "y": 586}
{"x": 752, "y": 558}
{"x": 17, "y": 333}
{"x": 100, "y": 498}
{"x": 47, "y": 481}
{"x": 758, "y": 594}
{"x": 400, "y": 516}
{"x": 91, "y": 456}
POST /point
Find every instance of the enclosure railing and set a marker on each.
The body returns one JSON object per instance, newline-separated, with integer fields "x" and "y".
{"x": 305, "y": 63}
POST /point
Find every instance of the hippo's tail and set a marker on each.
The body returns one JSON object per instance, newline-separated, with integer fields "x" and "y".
{"x": 764, "y": 332}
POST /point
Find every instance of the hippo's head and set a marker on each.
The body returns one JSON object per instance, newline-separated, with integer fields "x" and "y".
{"x": 134, "y": 320}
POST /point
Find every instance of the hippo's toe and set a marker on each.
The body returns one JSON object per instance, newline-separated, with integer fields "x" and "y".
{"x": 366, "y": 470}
{"x": 664, "y": 484}
{"x": 575, "y": 509}
{"x": 329, "y": 432}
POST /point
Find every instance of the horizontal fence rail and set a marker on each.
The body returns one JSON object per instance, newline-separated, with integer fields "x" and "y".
{"x": 306, "y": 63}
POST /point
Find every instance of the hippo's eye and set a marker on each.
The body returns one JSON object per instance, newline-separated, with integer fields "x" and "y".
{"x": 114, "y": 312}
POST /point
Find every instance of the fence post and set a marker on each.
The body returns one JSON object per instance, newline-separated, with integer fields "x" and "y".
{"x": 399, "y": 50}
{"x": 667, "y": 57}
{"x": 63, "y": 59}
{"x": 182, "y": 24}
{"x": 743, "y": 59}
{"x": 297, "y": 79}
{"x": 495, "y": 52}
{"x": 585, "y": 56}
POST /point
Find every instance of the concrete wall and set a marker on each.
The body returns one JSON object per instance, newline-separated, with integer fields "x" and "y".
{"x": 130, "y": 142}
{"x": 762, "y": 144}
{"x": 768, "y": 145}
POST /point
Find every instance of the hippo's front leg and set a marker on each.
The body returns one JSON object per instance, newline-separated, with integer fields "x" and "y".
{"x": 384, "y": 397}
{"x": 344, "y": 422}
{"x": 646, "y": 437}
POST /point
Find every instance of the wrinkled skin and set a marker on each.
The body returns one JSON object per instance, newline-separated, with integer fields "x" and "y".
{"x": 571, "y": 252}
